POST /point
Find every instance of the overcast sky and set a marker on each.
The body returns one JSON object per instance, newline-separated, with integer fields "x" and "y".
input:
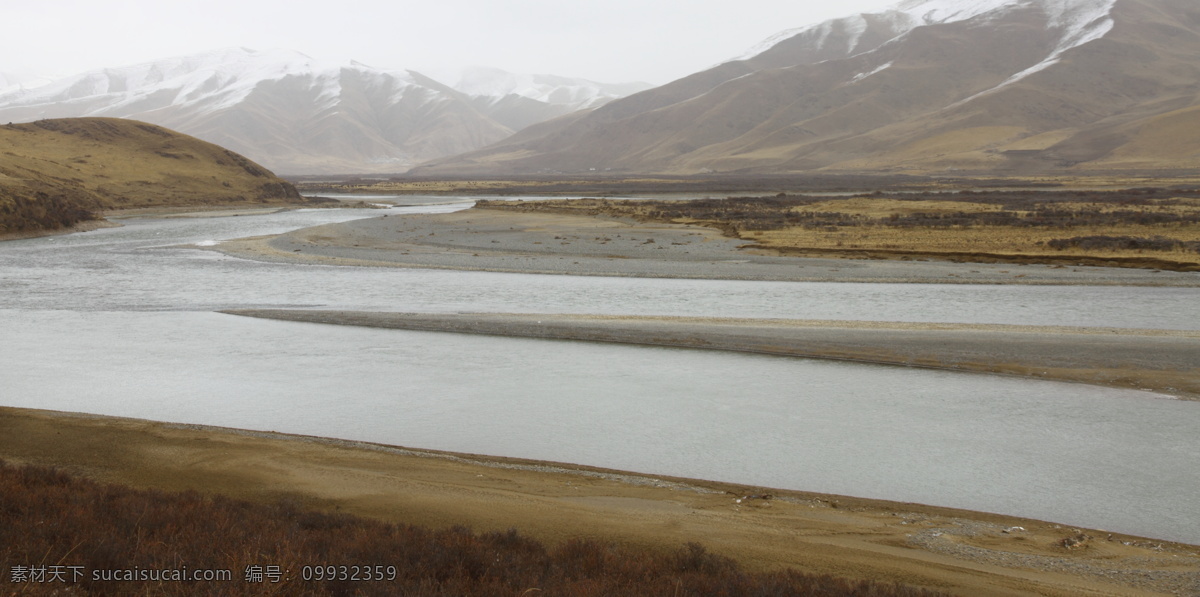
{"x": 655, "y": 41}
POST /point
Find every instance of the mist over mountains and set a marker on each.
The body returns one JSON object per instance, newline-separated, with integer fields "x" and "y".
{"x": 992, "y": 86}
{"x": 13, "y": 81}
{"x": 296, "y": 114}
{"x": 517, "y": 101}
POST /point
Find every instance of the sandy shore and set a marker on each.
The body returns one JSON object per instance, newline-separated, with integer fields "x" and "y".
{"x": 1163, "y": 361}
{"x": 506, "y": 241}
{"x": 964, "y": 552}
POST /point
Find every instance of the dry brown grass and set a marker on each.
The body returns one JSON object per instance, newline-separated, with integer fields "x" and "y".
{"x": 1151, "y": 228}
{"x": 66, "y": 535}
{"x": 54, "y": 173}
{"x": 835, "y": 535}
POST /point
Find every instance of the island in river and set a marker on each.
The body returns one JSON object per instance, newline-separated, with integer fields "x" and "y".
{"x": 529, "y": 241}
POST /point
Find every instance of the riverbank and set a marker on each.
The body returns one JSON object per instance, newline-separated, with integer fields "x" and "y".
{"x": 111, "y": 218}
{"x": 964, "y": 552}
{"x": 87, "y": 226}
{"x": 551, "y": 243}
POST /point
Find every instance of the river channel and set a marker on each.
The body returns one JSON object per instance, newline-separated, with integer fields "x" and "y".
{"x": 121, "y": 321}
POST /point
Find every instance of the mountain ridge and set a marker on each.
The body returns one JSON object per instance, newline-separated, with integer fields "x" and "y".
{"x": 297, "y": 114}
{"x": 996, "y": 86}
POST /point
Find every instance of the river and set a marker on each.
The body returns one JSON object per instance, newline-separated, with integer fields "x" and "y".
{"x": 120, "y": 322}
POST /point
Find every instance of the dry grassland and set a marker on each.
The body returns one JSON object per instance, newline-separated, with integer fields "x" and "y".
{"x": 1000, "y": 240}
{"x": 71, "y": 535}
{"x": 1148, "y": 228}
{"x": 57, "y": 173}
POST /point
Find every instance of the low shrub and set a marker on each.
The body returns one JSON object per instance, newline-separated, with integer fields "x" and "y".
{"x": 61, "y": 535}
{"x": 1123, "y": 243}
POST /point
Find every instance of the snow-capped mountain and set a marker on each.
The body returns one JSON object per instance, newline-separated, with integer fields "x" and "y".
{"x": 287, "y": 111}
{"x": 207, "y": 82}
{"x": 1078, "y": 20}
{"x": 988, "y": 85}
{"x": 575, "y": 93}
{"x": 519, "y": 100}
{"x": 1071, "y": 22}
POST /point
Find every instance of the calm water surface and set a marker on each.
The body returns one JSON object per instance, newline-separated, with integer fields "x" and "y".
{"x": 119, "y": 322}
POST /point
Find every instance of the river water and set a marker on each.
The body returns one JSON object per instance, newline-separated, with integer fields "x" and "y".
{"x": 120, "y": 322}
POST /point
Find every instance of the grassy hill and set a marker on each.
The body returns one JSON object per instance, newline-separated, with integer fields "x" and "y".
{"x": 58, "y": 173}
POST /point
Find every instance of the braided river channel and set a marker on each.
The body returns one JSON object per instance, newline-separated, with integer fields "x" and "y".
{"x": 123, "y": 321}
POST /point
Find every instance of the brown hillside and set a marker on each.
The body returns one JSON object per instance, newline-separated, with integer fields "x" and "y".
{"x": 998, "y": 94}
{"x": 56, "y": 173}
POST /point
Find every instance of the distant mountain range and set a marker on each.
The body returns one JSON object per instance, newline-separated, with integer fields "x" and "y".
{"x": 929, "y": 86}
{"x": 298, "y": 115}
{"x": 995, "y": 86}
{"x": 517, "y": 101}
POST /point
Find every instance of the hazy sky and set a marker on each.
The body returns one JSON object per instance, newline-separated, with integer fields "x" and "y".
{"x": 605, "y": 40}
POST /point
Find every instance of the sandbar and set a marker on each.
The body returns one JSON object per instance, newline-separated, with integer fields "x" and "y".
{"x": 1164, "y": 361}
{"x": 553, "y": 243}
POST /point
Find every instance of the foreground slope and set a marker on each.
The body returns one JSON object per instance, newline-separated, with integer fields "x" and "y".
{"x": 961, "y": 552}
{"x": 1011, "y": 86}
{"x": 56, "y": 173}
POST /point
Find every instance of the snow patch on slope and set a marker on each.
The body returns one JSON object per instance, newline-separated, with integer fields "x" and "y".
{"x": 932, "y": 12}
{"x": 1081, "y": 21}
{"x": 855, "y": 26}
{"x": 880, "y": 68}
